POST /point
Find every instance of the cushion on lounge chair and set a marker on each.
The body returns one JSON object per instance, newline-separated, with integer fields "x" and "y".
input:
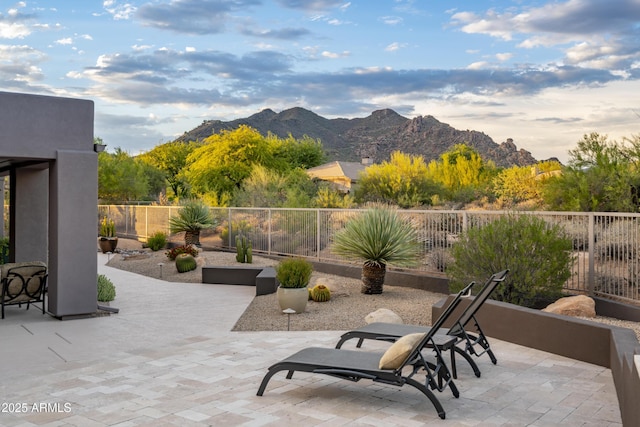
{"x": 397, "y": 354}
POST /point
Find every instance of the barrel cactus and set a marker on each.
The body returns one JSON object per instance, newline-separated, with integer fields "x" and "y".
{"x": 185, "y": 262}
{"x": 320, "y": 293}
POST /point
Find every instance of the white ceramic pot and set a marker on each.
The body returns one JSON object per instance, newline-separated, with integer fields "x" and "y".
{"x": 293, "y": 298}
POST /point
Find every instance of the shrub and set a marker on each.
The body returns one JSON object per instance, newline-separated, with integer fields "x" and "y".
{"x": 294, "y": 273}
{"x": 106, "y": 289}
{"x": 537, "y": 254}
{"x": 157, "y": 241}
{"x": 184, "y": 249}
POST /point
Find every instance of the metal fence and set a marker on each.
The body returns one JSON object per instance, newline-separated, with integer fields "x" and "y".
{"x": 606, "y": 245}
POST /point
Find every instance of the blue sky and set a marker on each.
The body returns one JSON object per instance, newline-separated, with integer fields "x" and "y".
{"x": 541, "y": 72}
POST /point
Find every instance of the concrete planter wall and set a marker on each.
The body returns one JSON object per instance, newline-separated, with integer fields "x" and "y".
{"x": 609, "y": 346}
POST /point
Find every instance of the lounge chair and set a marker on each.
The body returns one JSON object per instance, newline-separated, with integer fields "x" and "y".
{"x": 385, "y": 367}
{"x": 23, "y": 283}
{"x": 392, "y": 331}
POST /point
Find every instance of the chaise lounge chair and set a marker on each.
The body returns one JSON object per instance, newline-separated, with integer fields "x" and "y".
{"x": 386, "y": 367}
{"x": 392, "y": 331}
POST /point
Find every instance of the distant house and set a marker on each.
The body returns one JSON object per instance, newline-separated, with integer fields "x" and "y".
{"x": 343, "y": 175}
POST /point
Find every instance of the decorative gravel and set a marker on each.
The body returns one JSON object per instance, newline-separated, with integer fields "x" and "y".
{"x": 346, "y": 310}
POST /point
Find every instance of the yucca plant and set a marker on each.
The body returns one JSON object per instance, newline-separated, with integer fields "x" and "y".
{"x": 192, "y": 217}
{"x": 378, "y": 237}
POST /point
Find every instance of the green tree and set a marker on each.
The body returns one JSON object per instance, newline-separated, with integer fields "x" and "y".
{"x": 294, "y": 153}
{"x": 599, "y": 177}
{"x": 462, "y": 172}
{"x": 518, "y": 184}
{"x": 402, "y": 181}
{"x": 121, "y": 178}
{"x": 270, "y": 188}
{"x": 171, "y": 158}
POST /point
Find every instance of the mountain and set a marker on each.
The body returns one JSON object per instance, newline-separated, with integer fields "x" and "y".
{"x": 375, "y": 136}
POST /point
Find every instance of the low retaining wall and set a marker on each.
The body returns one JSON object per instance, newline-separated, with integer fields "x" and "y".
{"x": 263, "y": 278}
{"x": 604, "y": 345}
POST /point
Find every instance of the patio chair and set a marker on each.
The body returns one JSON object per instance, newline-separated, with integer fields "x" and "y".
{"x": 386, "y": 367}
{"x": 23, "y": 283}
{"x": 474, "y": 344}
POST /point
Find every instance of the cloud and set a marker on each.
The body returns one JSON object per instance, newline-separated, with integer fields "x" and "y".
{"x": 395, "y": 46}
{"x": 608, "y": 30}
{"x": 334, "y": 55}
{"x": 283, "y": 34}
{"x": 20, "y": 66}
{"x": 391, "y": 20}
{"x": 192, "y": 16}
{"x": 118, "y": 10}
{"x": 313, "y": 5}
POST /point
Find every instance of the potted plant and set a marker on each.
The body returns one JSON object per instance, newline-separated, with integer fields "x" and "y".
{"x": 378, "y": 237}
{"x": 107, "y": 239}
{"x": 192, "y": 217}
{"x": 294, "y": 275}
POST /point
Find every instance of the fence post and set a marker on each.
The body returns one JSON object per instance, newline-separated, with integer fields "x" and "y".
{"x": 318, "y": 233}
{"x": 592, "y": 243}
{"x": 269, "y": 231}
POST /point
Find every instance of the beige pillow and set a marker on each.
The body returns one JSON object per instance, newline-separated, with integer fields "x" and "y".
{"x": 396, "y": 355}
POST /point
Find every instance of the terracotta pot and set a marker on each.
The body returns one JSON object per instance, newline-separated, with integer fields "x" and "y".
{"x": 293, "y": 298}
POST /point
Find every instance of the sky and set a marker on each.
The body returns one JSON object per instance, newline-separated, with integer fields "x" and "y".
{"x": 543, "y": 73}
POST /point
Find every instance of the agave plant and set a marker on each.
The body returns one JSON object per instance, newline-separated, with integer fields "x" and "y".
{"x": 378, "y": 237}
{"x": 192, "y": 217}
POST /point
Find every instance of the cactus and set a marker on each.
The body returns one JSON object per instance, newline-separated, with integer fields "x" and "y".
{"x": 320, "y": 293}
{"x": 244, "y": 251}
{"x": 249, "y": 253}
{"x": 185, "y": 262}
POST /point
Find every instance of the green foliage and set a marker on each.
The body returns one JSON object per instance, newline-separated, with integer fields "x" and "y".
{"x": 183, "y": 249}
{"x": 4, "y": 250}
{"x": 157, "y": 241}
{"x": 378, "y": 237}
{"x": 171, "y": 159}
{"x": 294, "y": 272}
{"x": 294, "y": 153}
{"x": 106, "y": 289}
{"x": 185, "y": 262}
{"x": 320, "y": 293}
{"x": 519, "y": 184}
{"x": 600, "y": 177}
{"x": 462, "y": 172}
{"x": 244, "y": 250}
{"x": 225, "y": 160}
{"x": 123, "y": 178}
{"x": 402, "y": 181}
{"x": 331, "y": 198}
{"x": 107, "y": 227}
{"x": 193, "y": 216}
{"x": 537, "y": 254}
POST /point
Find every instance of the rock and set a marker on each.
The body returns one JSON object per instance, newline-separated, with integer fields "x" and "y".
{"x": 383, "y": 315}
{"x": 577, "y": 306}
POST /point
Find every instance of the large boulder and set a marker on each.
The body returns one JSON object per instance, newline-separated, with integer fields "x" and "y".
{"x": 577, "y": 306}
{"x": 383, "y": 315}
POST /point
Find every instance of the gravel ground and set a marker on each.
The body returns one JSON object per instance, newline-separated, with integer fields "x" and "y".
{"x": 346, "y": 310}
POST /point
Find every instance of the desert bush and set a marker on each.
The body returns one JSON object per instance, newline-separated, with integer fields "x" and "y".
{"x": 538, "y": 255}
{"x": 184, "y": 249}
{"x": 294, "y": 273}
{"x": 106, "y": 289}
{"x": 157, "y": 241}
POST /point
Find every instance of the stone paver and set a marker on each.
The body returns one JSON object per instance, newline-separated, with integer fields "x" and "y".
{"x": 169, "y": 359}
